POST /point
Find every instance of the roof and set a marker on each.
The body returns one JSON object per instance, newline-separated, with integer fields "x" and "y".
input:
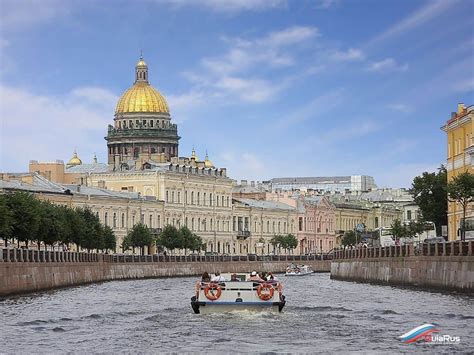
{"x": 88, "y": 168}
{"x": 270, "y": 205}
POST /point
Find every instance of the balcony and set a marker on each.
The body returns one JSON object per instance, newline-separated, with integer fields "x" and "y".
{"x": 243, "y": 234}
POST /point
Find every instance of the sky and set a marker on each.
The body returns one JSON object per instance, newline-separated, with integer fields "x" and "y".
{"x": 269, "y": 88}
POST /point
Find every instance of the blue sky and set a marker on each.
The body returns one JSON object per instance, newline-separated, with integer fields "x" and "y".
{"x": 270, "y": 88}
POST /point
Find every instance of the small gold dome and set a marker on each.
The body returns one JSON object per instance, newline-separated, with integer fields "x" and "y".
{"x": 141, "y": 63}
{"x": 207, "y": 162}
{"x": 75, "y": 160}
{"x": 142, "y": 97}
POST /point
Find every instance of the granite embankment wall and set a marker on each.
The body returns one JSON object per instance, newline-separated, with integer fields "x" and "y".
{"x": 25, "y": 277}
{"x": 434, "y": 272}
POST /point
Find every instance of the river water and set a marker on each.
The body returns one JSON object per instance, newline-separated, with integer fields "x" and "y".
{"x": 154, "y": 315}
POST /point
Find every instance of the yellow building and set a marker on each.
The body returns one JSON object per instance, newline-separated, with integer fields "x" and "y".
{"x": 459, "y": 129}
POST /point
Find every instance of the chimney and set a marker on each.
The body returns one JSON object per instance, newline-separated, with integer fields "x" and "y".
{"x": 461, "y": 108}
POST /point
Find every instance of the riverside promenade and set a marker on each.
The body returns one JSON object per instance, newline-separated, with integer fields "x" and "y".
{"x": 445, "y": 266}
{"x": 27, "y": 270}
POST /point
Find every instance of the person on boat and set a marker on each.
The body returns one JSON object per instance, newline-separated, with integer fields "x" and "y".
{"x": 233, "y": 277}
{"x": 218, "y": 277}
{"x": 254, "y": 276}
{"x": 271, "y": 278}
{"x": 205, "y": 277}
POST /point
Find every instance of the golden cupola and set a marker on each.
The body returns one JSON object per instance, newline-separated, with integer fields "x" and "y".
{"x": 207, "y": 162}
{"x": 142, "y": 97}
{"x": 74, "y": 160}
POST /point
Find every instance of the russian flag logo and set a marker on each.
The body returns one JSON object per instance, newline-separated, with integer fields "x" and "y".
{"x": 418, "y": 333}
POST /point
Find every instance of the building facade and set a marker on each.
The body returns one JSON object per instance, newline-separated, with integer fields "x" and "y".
{"x": 460, "y": 151}
{"x": 119, "y": 210}
{"x": 325, "y": 184}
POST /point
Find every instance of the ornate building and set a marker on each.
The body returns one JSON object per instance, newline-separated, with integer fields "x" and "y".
{"x": 460, "y": 133}
{"x": 142, "y": 125}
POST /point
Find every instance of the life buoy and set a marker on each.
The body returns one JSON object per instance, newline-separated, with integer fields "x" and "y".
{"x": 212, "y": 291}
{"x": 265, "y": 292}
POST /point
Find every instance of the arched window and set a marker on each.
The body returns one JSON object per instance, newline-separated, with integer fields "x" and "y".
{"x": 115, "y": 221}
{"x": 198, "y": 198}
{"x": 123, "y": 220}
{"x": 210, "y": 199}
{"x": 199, "y": 224}
{"x": 192, "y": 197}
{"x": 179, "y": 197}
{"x": 204, "y": 199}
{"x": 158, "y": 221}
{"x": 151, "y": 221}
{"x": 105, "y": 218}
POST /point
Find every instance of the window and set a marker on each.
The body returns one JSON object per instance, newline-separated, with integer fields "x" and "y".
{"x": 192, "y": 197}
{"x": 158, "y": 221}
{"x": 198, "y": 198}
{"x": 222, "y": 201}
{"x": 172, "y": 196}
{"x": 179, "y": 197}
{"x": 210, "y": 199}
{"x": 151, "y": 221}
{"x": 115, "y": 221}
{"x": 204, "y": 199}
{"x": 409, "y": 214}
{"x": 300, "y": 224}
{"x": 105, "y": 218}
{"x": 151, "y": 124}
{"x": 123, "y": 220}
{"x": 167, "y": 196}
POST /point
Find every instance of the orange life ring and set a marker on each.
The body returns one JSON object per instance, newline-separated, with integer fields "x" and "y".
{"x": 209, "y": 291}
{"x": 268, "y": 294}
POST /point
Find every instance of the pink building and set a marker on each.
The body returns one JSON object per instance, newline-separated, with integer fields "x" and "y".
{"x": 316, "y": 223}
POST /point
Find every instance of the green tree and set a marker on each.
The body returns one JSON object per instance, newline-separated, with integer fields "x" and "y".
{"x": 50, "y": 227}
{"x": 170, "y": 238}
{"x": 461, "y": 190}
{"x": 399, "y": 230}
{"x": 290, "y": 241}
{"x": 140, "y": 236}
{"x": 26, "y": 216}
{"x": 187, "y": 238}
{"x": 429, "y": 192}
{"x": 91, "y": 236}
{"x": 6, "y": 220}
{"x": 110, "y": 242}
{"x": 349, "y": 238}
{"x": 277, "y": 241}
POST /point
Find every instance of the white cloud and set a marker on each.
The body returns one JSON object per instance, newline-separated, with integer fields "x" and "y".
{"x": 415, "y": 19}
{"x": 16, "y": 15}
{"x": 317, "y": 107}
{"x": 326, "y": 4}
{"x": 400, "y": 107}
{"x": 47, "y": 128}
{"x": 352, "y": 54}
{"x": 227, "y": 76}
{"x": 229, "y": 6}
{"x": 385, "y": 65}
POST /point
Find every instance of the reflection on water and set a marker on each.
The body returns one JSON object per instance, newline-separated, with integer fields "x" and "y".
{"x": 147, "y": 316}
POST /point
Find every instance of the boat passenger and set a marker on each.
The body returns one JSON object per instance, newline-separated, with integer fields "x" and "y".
{"x": 271, "y": 278}
{"x": 233, "y": 277}
{"x": 254, "y": 277}
{"x": 218, "y": 277}
{"x": 205, "y": 277}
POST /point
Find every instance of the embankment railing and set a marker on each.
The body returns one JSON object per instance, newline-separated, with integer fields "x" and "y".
{"x": 47, "y": 256}
{"x": 454, "y": 248}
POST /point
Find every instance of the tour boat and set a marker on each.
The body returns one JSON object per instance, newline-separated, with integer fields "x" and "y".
{"x": 298, "y": 270}
{"x": 226, "y": 296}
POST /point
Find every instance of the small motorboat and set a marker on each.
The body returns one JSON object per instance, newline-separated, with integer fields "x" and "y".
{"x": 243, "y": 294}
{"x": 298, "y": 270}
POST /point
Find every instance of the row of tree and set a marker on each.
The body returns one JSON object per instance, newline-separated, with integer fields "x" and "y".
{"x": 287, "y": 241}
{"x": 170, "y": 238}
{"x": 432, "y": 191}
{"x": 25, "y": 219}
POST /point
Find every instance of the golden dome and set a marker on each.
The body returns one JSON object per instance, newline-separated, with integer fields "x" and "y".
{"x": 141, "y": 63}
{"x": 207, "y": 162}
{"x": 75, "y": 160}
{"x": 142, "y": 97}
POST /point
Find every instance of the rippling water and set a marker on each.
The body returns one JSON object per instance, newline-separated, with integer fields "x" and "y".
{"x": 149, "y": 316}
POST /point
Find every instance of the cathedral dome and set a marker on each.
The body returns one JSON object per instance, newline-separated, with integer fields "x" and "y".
{"x": 74, "y": 160}
{"x": 142, "y": 97}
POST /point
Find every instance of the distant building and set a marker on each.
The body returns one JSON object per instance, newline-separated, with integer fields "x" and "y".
{"x": 460, "y": 133}
{"x": 329, "y": 183}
